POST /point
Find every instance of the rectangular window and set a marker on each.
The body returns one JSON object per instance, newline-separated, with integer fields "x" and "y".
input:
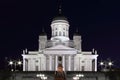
{"x": 59, "y": 33}
{"x": 36, "y": 68}
{"x": 83, "y": 68}
{"x": 55, "y": 33}
{"x": 63, "y": 33}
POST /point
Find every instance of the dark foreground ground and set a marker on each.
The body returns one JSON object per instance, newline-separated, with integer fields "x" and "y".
{"x": 32, "y": 75}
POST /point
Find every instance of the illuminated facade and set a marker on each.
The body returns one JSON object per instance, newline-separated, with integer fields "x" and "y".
{"x": 60, "y": 45}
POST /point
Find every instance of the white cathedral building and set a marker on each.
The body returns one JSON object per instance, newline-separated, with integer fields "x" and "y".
{"x": 60, "y": 47}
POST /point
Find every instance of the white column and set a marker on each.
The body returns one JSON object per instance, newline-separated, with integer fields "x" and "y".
{"x": 28, "y": 66}
{"x": 24, "y": 64}
{"x": 63, "y": 62}
{"x": 88, "y": 65}
{"x": 40, "y": 66}
{"x": 32, "y": 64}
{"x": 50, "y": 62}
{"x": 95, "y": 64}
{"x": 69, "y": 63}
{"x": 56, "y": 62}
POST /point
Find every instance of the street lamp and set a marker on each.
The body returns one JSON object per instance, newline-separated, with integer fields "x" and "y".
{"x": 11, "y": 64}
{"x": 19, "y": 62}
{"x": 106, "y": 64}
{"x": 110, "y": 63}
{"x": 14, "y": 63}
{"x": 101, "y": 63}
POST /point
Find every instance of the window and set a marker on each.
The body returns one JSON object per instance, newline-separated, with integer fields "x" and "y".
{"x": 59, "y": 58}
{"x": 63, "y": 33}
{"x": 36, "y": 68}
{"x": 82, "y": 61}
{"x": 55, "y": 33}
{"x": 36, "y": 61}
{"x": 83, "y": 68}
{"x": 59, "y": 33}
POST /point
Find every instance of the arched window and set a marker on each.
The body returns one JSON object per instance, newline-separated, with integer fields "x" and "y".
{"x": 55, "y": 33}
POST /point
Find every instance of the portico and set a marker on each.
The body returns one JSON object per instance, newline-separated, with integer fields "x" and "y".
{"x": 60, "y": 51}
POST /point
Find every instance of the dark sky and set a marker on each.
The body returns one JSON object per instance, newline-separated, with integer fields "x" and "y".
{"x": 98, "y": 22}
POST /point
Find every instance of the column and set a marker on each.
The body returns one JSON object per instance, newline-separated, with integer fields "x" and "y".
{"x": 87, "y": 65}
{"x": 56, "y": 62}
{"x": 40, "y": 66}
{"x": 95, "y": 64}
{"x": 32, "y": 64}
{"x": 28, "y": 64}
{"x": 69, "y": 63}
{"x": 50, "y": 62}
{"x": 90, "y": 63}
{"x": 24, "y": 65}
{"x": 63, "y": 62}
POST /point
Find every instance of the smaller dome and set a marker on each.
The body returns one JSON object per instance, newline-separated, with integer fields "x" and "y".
{"x": 76, "y": 34}
{"x": 43, "y": 34}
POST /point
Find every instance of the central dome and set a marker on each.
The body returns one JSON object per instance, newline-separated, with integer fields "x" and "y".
{"x": 60, "y": 28}
{"x": 60, "y": 17}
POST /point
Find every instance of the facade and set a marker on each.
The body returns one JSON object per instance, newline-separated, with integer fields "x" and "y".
{"x": 60, "y": 47}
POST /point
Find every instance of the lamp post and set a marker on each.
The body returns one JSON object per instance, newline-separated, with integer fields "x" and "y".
{"x": 13, "y": 64}
{"x": 110, "y": 63}
{"x": 106, "y": 64}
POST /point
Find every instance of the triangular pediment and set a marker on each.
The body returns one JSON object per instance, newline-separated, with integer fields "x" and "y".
{"x": 59, "y": 50}
{"x": 60, "y": 47}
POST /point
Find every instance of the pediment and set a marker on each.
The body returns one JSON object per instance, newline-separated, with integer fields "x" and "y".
{"x": 59, "y": 47}
{"x": 60, "y": 50}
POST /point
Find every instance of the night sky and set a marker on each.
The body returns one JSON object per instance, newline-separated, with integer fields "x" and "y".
{"x": 98, "y": 22}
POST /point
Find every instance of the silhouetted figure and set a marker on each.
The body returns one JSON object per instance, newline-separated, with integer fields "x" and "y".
{"x": 60, "y": 74}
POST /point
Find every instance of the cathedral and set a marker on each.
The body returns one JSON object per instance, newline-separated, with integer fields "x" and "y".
{"x": 73, "y": 58}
